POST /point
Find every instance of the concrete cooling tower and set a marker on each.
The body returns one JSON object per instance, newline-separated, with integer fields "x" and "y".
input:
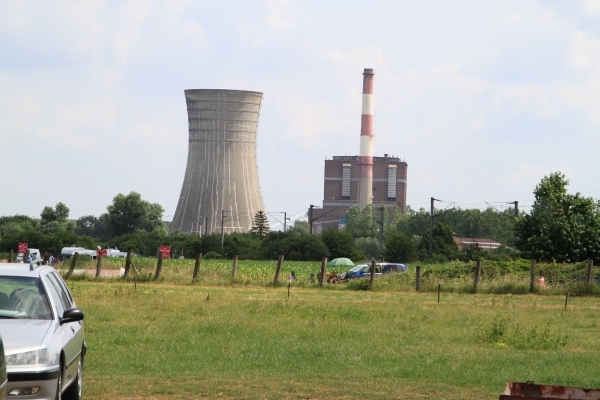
{"x": 221, "y": 177}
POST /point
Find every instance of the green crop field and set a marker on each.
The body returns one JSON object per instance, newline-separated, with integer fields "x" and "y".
{"x": 455, "y": 277}
{"x": 184, "y": 341}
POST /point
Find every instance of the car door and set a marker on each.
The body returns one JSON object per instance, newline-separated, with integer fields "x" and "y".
{"x": 72, "y": 346}
{"x": 78, "y": 339}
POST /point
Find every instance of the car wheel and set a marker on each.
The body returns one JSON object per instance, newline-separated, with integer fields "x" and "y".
{"x": 75, "y": 390}
{"x": 59, "y": 384}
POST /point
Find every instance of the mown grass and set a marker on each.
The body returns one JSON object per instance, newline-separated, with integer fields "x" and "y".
{"x": 192, "y": 341}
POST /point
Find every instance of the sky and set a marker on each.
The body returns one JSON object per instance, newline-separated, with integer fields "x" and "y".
{"x": 482, "y": 99}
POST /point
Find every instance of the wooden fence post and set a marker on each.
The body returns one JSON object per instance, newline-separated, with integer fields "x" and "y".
{"x": 532, "y": 276}
{"x": 278, "y": 270}
{"x": 590, "y": 268}
{"x": 197, "y": 266}
{"x": 322, "y": 274}
{"x": 418, "y": 280}
{"x": 99, "y": 265}
{"x": 477, "y": 275}
{"x": 372, "y": 278}
{"x": 159, "y": 265}
{"x": 127, "y": 263}
{"x": 73, "y": 262}
{"x": 234, "y": 267}
{"x": 11, "y": 256}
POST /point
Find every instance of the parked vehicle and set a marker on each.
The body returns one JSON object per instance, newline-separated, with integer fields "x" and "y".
{"x": 34, "y": 253}
{"x": 116, "y": 253}
{"x": 69, "y": 251}
{"x": 43, "y": 333}
{"x": 3, "y": 377}
{"x": 364, "y": 270}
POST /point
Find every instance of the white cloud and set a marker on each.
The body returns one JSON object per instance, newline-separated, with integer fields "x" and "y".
{"x": 277, "y": 19}
{"x": 591, "y": 6}
{"x": 310, "y": 125}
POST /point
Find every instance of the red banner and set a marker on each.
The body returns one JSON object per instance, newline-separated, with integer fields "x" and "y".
{"x": 166, "y": 251}
{"x": 23, "y": 247}
{"x": 103, "y": 253}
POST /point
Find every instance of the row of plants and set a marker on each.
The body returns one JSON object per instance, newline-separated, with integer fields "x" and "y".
{"x": 496, "y": 277}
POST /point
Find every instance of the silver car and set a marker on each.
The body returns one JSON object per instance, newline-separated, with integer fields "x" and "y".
{"x": 42, "y": 330}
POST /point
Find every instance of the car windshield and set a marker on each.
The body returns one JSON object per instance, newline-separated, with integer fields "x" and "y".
{"x": 23, "y": 297}
{"x": 357, "y": 268}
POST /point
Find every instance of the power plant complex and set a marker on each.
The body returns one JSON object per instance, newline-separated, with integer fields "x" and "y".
{"x": 220, "y": 188}
{"x": 362, "y": 179}
{"x": 221, "y": 192}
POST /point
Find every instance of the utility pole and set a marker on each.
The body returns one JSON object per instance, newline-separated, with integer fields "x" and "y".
{"x": 381, "y": 224}
{"x": 285, "y": 220}
{"x": 516, "y": 203}
{"x": 222, "y": 228}
{"x": 310, "y": 218}
{"x": 431, "y": 230}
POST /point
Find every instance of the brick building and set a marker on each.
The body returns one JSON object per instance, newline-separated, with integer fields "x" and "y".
{"x": 341, "y": 188}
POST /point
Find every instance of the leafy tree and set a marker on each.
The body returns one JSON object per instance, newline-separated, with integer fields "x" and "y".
{"x": 85, "y": 225}
{"x": 561, "y": 227}
{"x": 443, "y": 246}
{"x": 367, "y": 222}
{"x": 489, "y": 223}
{"x": 243, "y": 245}
{"x": 361, "y": 223}
{"x": 55, "y": 219}
{"x": 300, "y": 227}
{"x": 10, "y": 228}
{"x": 369, "y": 247}
{"x": 260, "y": 227}
{"x": 399, "y": 248}
{"x": 294, "y": 246}
{"x": 341, "y": 244}
{"x": 130, "y": 213}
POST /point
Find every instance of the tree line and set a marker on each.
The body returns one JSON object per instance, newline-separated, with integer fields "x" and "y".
{"x": 561, "y": 227}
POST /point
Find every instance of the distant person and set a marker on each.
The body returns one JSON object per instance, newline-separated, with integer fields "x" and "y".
{"x": 29, "y": 259}
{"x": 51, "y": 260}
{"x": 541, "y": 281}
{"x": 292, "y": 276}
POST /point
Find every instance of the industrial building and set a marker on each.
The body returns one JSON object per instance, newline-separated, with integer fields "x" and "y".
{"x": 341, "y": 188}
{"x": 220, "y": 188}
{"x": 363, "y": 179}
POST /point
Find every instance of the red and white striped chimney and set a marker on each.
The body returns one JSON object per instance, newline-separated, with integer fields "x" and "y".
{"x": 365, "y": 183}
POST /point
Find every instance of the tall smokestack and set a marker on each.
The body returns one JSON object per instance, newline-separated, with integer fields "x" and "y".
{"x": 365, "y": 185}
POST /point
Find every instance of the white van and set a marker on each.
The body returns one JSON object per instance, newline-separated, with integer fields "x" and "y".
{"x": 34, "y": 253}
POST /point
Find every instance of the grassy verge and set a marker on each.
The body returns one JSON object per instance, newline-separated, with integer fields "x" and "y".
{"x": 182, "y": 341}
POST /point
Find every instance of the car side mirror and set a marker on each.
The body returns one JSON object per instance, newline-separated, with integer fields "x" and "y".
{"x": 71, "y": 315}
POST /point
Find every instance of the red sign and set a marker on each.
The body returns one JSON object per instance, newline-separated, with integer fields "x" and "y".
{"x": 23, "y": 247}
{"x": 166, "y": 251}
{"x": 103, "y": 253}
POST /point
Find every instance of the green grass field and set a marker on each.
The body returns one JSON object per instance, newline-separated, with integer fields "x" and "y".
{"x": 178, "y": 341}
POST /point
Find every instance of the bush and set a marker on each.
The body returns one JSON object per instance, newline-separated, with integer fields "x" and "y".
{"x": 399, "y": 248}
{"x": 293, "y": 246}
{"x": 359, "y": 284}
{"x": 212, "y": 255}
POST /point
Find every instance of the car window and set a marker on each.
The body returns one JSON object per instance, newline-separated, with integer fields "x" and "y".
{"x": 63, "y": 296}
{"x": 64, "y": 288}
{"x": 23, "y": 297}
{"x": 357, "y": 268}
{"x": 54, "y": 293}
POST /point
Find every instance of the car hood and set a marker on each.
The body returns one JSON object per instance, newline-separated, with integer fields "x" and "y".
{"x": 23, "y": 334}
